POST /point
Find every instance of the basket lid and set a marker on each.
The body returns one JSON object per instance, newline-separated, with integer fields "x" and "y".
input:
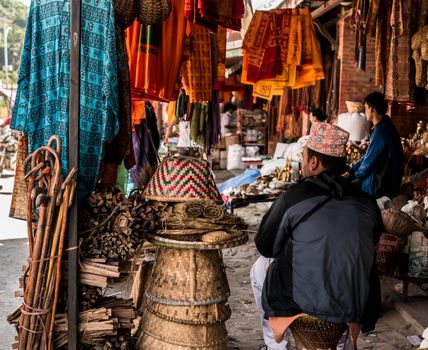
{"x": 182, "y": 179}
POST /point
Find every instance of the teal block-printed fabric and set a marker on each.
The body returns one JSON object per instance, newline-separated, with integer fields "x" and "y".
{"x": 42, "y": 100}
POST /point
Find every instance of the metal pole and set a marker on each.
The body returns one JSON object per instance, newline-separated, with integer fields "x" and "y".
{"x": 73, "y": 153}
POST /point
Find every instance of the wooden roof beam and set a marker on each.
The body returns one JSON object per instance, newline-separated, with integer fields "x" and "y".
{"x": 324, "y": 32}
{"x": 331, "y": 4}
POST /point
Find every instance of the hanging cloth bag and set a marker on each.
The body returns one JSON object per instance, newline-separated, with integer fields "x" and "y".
{"x": 153, "y": 11}
{"x": 125, "y": 12}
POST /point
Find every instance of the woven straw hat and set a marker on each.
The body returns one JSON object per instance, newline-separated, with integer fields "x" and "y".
{"x": 353, "y": 107}
{"x": 153, "y": 11}
{"x": 171, "y": 335}
{"x": 188, "y": 277}
{"x": 182, "y": 179}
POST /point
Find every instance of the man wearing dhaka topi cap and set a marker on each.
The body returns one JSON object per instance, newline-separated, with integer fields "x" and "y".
{"x": 317, "y": 243}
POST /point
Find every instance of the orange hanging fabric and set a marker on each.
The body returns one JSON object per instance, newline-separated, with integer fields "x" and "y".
{"x": 173, "y": 36}
{"x": 156, "y": 54}
{"x": 221, "y": 44}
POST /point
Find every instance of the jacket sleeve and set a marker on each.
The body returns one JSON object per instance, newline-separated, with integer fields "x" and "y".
{"x": 371, "y": 157}
{"x": 269, "y": 226}
{"x": 355, "y": 167}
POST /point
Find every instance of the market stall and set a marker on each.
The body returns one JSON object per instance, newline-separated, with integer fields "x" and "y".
{"x": 125, "y": 247}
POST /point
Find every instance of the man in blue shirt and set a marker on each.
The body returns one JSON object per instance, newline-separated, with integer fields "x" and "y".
{"x": 381, "y": 169}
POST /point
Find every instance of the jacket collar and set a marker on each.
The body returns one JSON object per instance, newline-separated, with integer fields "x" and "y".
{"x": 332, "y": 183}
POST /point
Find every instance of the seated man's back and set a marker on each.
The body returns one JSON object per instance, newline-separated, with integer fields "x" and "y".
{"x": 326, "y": 259}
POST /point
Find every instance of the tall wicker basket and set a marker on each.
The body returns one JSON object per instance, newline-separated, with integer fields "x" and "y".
{"x": 163, "y": 334}
{"x": 185, "y": 277}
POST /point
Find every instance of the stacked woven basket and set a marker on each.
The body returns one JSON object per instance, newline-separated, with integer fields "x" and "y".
{"x": 187, "y": 299}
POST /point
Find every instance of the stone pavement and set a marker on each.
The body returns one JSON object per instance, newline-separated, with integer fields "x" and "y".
{"x": 13, "y": 254}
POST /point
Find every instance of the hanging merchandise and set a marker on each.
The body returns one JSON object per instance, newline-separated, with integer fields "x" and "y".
{"x": 182, "y": 106}
{"x": 146, "y": 141}
{"x": 281, "y": 49}
{"x": 420, "y": 56}
{"x": 155, "y": 54}
{"x": 19, "y": 194}
{"x": 125, "y": 12}
{"x": 395, "y": 24}
{"x": 360, "y": 16}
{"x": 199, "y": 120}
{"x": 399, "y": 85}
{"x": 212, "y": 132}
{"x": 210, "y": 13}
{"x": 221, "y": 51}
{"x": 42, "y": 99}
{"x": 205, "y": 122}
{"x": 145, "y": 59}
{"x": 197, "y": 64}
{"x": 382, "y": 41}
{"x": 218, "y": 51}
{"x": 153, "y": 11}
{"x": 121, "y": 146}
{"x": 332, "y": 102}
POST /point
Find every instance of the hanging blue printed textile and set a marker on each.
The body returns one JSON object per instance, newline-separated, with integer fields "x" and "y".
{"x": 42, "y": 99}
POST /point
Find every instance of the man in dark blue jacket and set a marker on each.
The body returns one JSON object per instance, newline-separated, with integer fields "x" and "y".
{"x": 317, "y": 243}
{"x": 380, "y": 171}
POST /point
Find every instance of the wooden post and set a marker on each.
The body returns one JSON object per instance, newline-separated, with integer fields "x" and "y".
{"x": 73, "y": 156}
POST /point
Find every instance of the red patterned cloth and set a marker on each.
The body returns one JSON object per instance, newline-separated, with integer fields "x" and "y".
{"x": 210, "y": 13}
{"x": 328, "y": 139}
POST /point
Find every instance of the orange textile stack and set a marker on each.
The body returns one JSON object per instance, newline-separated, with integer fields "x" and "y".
{"x": 281, "y": 49}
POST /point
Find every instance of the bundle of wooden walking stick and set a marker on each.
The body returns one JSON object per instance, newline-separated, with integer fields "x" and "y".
{"x": 50, "y": 194}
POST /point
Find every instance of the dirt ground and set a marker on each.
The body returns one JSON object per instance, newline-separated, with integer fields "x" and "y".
{"x": 244, "y": 327}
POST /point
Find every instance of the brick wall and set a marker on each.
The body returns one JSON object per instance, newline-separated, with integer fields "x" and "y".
{"x": 354, "y": 84}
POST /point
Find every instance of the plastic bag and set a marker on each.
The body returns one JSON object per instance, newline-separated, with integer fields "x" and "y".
{"x": 247, "y": 177}
{"x": 234, "y": 157}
